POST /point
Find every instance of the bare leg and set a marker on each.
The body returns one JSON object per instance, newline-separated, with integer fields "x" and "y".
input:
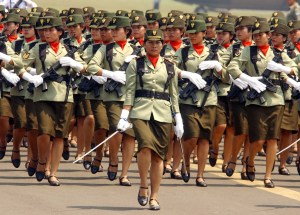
{"x": 18, "y": 135}
{"x": 188, "y": 147}
{"x": 270, "y": 157}
{"x": 143, "y": 160}
{"x": 217, "y": 136}
{"x": 176, "y": 157}
{"x": 228, "y": 142}
{"x": 4, "y": 122}
{"x": 127, "y": 153}
{"x": 156, "y": 170}
{"x": 57, "y": 148}
{"x": 32, "y": 145}
{"x": 203, "y": 146}
{"x": 286, "y": 139}
{"x": 114, "y": 145}
{"x": 80, "y": 135}
{"x": 43, "y": 143}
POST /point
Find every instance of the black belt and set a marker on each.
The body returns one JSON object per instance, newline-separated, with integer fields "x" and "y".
{"x": 152, "y": 94}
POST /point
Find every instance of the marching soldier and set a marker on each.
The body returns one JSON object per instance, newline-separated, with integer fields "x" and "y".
{"x": 153, "y": 17}
{"x": 211, "y": 24}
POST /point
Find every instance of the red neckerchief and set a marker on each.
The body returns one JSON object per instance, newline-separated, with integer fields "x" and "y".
{"x": 141, "y": 42}
{"x": 153, "y": 60}
{"x": 79, "y": 40}
{"x": 54, "y": 46}
{"x": 247, "y": 43}
{"x": 122, "y": 43}
{"x": 1, "y": 26}
{"x": 97, "y": 41}
{"x": 12, "y": 38}
{"x": 297, "y": 45}
{"x": 226, "y": 45}
{"x": 176, "y": 44}
{"x": 281, "y": 47}
{"x": 28, "y": 40}
{"x": 166, "y": 41}
{"x": 264, "y": 49}
{"x": 198, "y": 49}
{"x": 107, "y": 42}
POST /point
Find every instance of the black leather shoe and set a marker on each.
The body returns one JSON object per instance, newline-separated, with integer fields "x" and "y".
{"x": 269, "y": 184}
{"x": 244, "y": 176}
{"x": 125, "y": 183}
{"x": 16, "y": 162}
{"x": 175, "y": 176}
{"x": 154, "y": 207}
{"x": 185, "y": 176}
{"x": 289, "y": 160}
{"x": 40, "y": 175}
{"x": 230, "y": 171}
{"x": 298, "y": 166}
{"x": 212, "y": 161}
{"x": 112, "y": 175}
{"x": 2, "y": 152}
{"x": 283, "y": 171}
{"x": 31, "y": 170}
{"x": 86, "y": 163}
{"x": 143, "y": 200}
{"x": 94, "y": 168}
{"x": 54, "y": 182}
{"x": 200, "y": 183}
{"x": 250, "y": 175}
{"x": 66, "y": 152}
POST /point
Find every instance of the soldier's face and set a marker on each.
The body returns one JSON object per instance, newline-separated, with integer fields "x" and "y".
{"x": 138, "y": 31}
{"x": 95, "y": 32}
{"x": 243, "y": 34}
{"x": 28, "y": 32}
{"x": 223, "y": 38}
{"x": 174, "y": 34}
{"x": 277, "y": 39}
{"x": 261, "y": 39}
{"x": 153, "y": 48}
{"x": 166, "y": 35}
{"x": 295, "y": 36}
{"x": 153, "y": 26}
{"x": 75, "y": 30}
{"x": 119, "y": 34}
{"x": 10, "y": 28}
{"x": 197, "y": 38}
{"x": 52, "y": 34}
{"x": 106, "y": 35}
{"x": 41, "y": 34}
{"x": 211, "y": 32}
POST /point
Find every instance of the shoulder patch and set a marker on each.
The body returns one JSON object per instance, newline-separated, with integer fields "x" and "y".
{"x": 26, "y": 55}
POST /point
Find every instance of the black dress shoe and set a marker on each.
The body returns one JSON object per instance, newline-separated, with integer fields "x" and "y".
{"x": 250, "y": 175}
{"x": 212, "y": 161}
{"x": 40, "y": 175}
{"x": 112, "y": 175}
{"x": 94, "y": 168}
{"x": 200, "y": 183}
{"x": 66, "y": 152}
{"x": 31, "y": 170}
{"x": 289, "y": 160}
{"x": 154, "y": 207}
{"x": 175, "y": 176}
{"x": 54, "y": 182}
{"x": 244, "y": 176}
{"x": 283, "y": 171}
{"x": 298, "y": 166}
{"x": 230, "y": 171}
{"x": 269, "y": 184}
{"x": 2, "y": 152}
{"x": 124, "y": 183}
{"x": 16, "y": 162}
{"x": 143, "y": 200}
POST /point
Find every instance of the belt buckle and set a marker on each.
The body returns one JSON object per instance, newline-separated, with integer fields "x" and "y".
{"x": 152, "y": 94}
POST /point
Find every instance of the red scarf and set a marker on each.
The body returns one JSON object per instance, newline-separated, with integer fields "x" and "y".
{"x": 198, "y": 49}
{"x": 122, "y": 43}
{"x": 226, "y": 45}
{"x": 153, "y": 60}
{"x": 141, "y": 42}
{"x": 281, "y": 47}
{"x": 297, "y": 45}
{"x": 264, "y": 49}
{"x": 79, "y": 40}
{"x": 54, "y": 46}
{"x": 166, "y": 41}
{"x": 97, "y": 41}
{"x": 12, "y": 38}
{"x": 28, "y": 40}
{"x": 176, "y": 44}
{"x": 247, "y": 43}
{"x": 1, "y": 26}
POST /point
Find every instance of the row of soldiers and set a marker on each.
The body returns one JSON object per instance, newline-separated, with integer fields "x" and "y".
{"x": 236, "y": 76}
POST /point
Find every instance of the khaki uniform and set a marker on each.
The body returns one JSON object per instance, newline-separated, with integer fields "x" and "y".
{"x": 170, "y": 52}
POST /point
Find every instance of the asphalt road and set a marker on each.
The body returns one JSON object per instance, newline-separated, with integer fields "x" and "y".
{"x": 84, "y": 193}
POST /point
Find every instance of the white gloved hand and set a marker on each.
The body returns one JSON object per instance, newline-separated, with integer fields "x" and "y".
{"x": 194, "y": 78}
{"x": 31, "y": 70}
{"x": 67, "y": 61}
{"x": 99, "y": 79}
{"x": 123, "y": 124}
{"x": 6, "y": 58}
{"x": 10, "y": 77}
{"x": 293, "y": 83}
{"x": 277, "y": 67}
{"x": 239, "y": 83}
{"x": 37, "y": 80}
{"x": 253, "y": 83}
{"x": 210, "y": 64}
{"x": 130, "y": 58}
{"x": 178, "y": 128}
{"x": 118, "y": 76}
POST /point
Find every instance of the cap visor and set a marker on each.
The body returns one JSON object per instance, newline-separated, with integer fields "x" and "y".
{"x": 191, "y": 31}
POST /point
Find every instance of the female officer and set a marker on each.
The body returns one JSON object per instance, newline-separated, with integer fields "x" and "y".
{"x": 53, "y": 103}
{"x": 265, "y": 110}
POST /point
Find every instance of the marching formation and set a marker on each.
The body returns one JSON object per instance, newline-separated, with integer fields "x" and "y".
{"x": 174, "y": 86}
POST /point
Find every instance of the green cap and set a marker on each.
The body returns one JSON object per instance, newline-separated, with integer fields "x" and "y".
{"x": 55, "y": 11}
{"x": 2, "y": 9}
{"x": 22, "y": 12}
{"x": 11, "y": 17}
{"x": 261, "y": 19}
{"x": 225, "y": 27}
{"x": 37, "y": 9}
{"x": 153, "y": 16}
{"x": 63, "y": 13}
{"x": 193, "y": 16}
{"x": 260, "y": 27}
{"x": 275, "y": 20}
{"x": 74, "y": 10}
{"x": 163, "y": 23}
{"x": 244, "y": 21}
{"x": 47, "y": 13}
{"x": 211, "y": 21}
{"x": 88, "y": 11}
{"x": 139, "y": 20}
{"x": 95, "y": 22}
{"x": 50, "y": 22}
{"x": 137, "y": 12}
{"x": 278, "y": 14}
{"x": 119, "y": 22}
{"x": 74, "y": 19}
{"x": 154, "y": 35}
{"x": 40, "y": 23}
{"x": 223, "y": 15}
{"x": 31, "y": 14}
{"x": 196, "y": 26}
{"x": 29, "y": 21}
{"x": 105, "y": 22}
{"x": 175, "y": 22}
{"x": 101, "y": 12}
{"x": 174, "y": 13}
{"x": 121, "y": 13}
{"x": 294, "y": 25}
{"x": 231, "y": 20}
{"x": 204, "y": 15}
{"x": 108, "y": 14}
{"x": 280, "y": 29}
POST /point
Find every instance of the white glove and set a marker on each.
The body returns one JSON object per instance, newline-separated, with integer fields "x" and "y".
{"x": 99, "y": 79}
{"x": 123, "y": 124}
{"x": 210, "y": 64}
{"x": 31, "y": 70}
{"x": 293, "y": 83}
{"x": 67, "y": 61}
{"x": 37, "y": 80}
{"x": 277, "y": 67}
{"x": 194, "y": 78}
{"x": 10, "y": 77}
{"x": 239, "y": 83}
{"x": 5, "y": 58}
{"x": 118, "y": 76}
{"x": 253, "y": 83}
{"x": 178, "y": 128}
{"x": 130, "y": 58}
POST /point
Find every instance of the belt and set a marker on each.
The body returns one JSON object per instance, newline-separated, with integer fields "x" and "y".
{"x": 152, "y": 94}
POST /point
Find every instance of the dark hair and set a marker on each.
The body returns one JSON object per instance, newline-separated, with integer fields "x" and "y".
{"x": 60, "y": 28}
{"x": 129, "y": 31}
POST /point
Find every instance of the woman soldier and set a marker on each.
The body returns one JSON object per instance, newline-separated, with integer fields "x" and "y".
{"x": 151, "y": 97}
{"x": 264, "y": 107}
{"x": 198, "y": 111}
{"x": 53, "y": 100}
{"x": 109, "y": 61}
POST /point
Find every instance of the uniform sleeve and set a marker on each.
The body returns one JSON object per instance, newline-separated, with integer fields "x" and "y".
{"x": 290, "y": 63}
{"x": 238, "y": 64}
{"x": 15, "y": 58}
{"x": 79, "y": 59}
{"x": 28, "y": 59}
{"x": 95, "y": 63}
{"x": 224, "y": 59}
{"x": 130, "y": 83}
{"x": 174, "y": 91}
